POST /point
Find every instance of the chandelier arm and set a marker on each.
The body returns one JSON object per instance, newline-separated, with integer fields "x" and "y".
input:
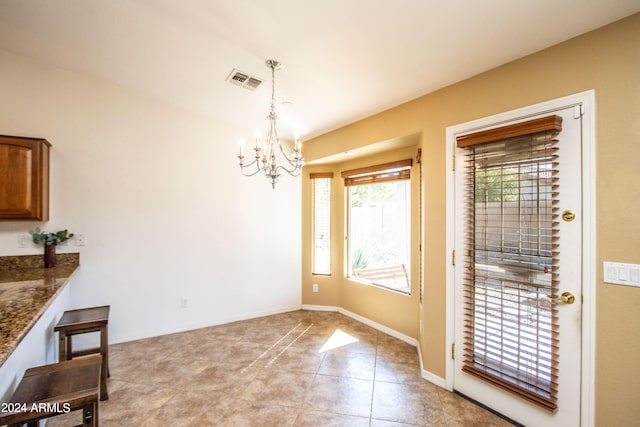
{"x": 250, "y": 174}
{"x": 243, "y": 167}
{"x": 292, "y": 172}
{"x": 293, "y": 161}
{"x": 296, "y": 164}
{"x": 248, "y": 165}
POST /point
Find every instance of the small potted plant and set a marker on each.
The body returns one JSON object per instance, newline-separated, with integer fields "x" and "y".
{"x": 50, "y": 240}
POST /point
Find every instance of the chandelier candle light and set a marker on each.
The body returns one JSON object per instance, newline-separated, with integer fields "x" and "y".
{"x": 265, "y": 154}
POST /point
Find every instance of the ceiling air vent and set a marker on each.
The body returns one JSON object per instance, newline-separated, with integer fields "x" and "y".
{"x": 243, "y": 79}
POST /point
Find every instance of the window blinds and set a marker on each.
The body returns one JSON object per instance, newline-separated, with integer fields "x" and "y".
{"x": 393, "y": 171}
{"x": 321, "y": 222}
{"x": 511, "y": 334}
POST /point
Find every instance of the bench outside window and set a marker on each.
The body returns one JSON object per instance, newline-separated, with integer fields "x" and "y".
{"x": 393, "y": 277}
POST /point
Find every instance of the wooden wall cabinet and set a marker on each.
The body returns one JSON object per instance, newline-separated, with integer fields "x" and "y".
{"x": 24, "y": 179}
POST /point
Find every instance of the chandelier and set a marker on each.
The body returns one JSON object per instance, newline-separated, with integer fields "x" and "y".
{"x": 266, "y": 154}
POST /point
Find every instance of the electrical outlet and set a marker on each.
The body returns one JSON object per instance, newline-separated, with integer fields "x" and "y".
{"x": 23, "y": 240}
{"x": 315, "y": 287}
{"x": 81, "y": 239}
{"x": 184, "y": 303}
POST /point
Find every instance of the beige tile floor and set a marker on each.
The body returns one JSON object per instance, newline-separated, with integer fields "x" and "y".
{"x": 279, "y": 370}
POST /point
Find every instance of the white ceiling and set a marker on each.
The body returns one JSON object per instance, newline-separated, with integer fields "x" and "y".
{"x": 343, "y": 59}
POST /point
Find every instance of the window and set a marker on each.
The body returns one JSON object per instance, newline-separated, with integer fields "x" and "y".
{"x": 321, "y": 223}
{"x": 379, "y": 224}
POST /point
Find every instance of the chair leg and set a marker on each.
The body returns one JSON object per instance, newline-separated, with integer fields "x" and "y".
{"x": 69, "y": 341}
{"x": 90, "y": 415}
{"x": 104, "y": 343}
{"x": 62, "y": 346}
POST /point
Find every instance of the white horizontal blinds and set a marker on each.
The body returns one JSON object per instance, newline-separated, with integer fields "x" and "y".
{"x": 393, "y": 171}
{"x": 511, "y": 335}
{"x": 321, "y": 222}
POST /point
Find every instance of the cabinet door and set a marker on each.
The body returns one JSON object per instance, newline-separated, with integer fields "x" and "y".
{"x": 24, "y": 178}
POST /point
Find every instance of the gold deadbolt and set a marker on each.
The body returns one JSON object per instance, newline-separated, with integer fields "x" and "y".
{"x": 566, "y": 297}
{"x": 568, "y": 215}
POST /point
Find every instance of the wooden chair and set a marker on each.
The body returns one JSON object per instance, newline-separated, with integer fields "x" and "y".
{"x": 82, "y": 321}
{"x": 55, "y": 389}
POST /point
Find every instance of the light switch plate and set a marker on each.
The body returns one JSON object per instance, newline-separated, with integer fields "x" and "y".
{"x": 620, "y": 273}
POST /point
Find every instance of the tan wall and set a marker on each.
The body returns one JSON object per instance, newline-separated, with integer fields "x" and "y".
{"x": 606, "y": 60}
{"x": 392, "y": 309}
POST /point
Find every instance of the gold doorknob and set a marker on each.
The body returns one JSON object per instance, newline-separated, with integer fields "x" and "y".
{"x": 566, "y": 297}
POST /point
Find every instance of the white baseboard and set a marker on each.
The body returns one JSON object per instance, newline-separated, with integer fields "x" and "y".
{"x": 378, "y": 326}
{"x": 368, "y": 322}
{"x": 318, "y": 307}
{"x": 429, "y": 376}
{"x": 200, "y": 325}
{"x": 439, "y": 381}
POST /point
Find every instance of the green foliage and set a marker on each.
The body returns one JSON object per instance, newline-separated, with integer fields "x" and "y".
{"x": 49, "y": 239}
{"x": 371, "y": 254}
{"x": 498, "y": 184}
{"x": 359, "y": 260}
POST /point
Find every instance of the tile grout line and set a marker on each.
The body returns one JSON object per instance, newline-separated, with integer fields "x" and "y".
{"x": 373, "y": 388}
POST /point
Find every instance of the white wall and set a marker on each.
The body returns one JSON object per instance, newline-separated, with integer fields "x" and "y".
{"x": 166, "y": 213}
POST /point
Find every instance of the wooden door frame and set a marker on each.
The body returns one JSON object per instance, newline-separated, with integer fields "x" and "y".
{"x": 586, "y": 101}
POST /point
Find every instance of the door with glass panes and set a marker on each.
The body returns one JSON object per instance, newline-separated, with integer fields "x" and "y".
{"x": 518, "y": 287}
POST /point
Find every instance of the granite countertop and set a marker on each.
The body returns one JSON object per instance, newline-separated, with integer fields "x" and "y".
{"x": 26, "y": 290}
